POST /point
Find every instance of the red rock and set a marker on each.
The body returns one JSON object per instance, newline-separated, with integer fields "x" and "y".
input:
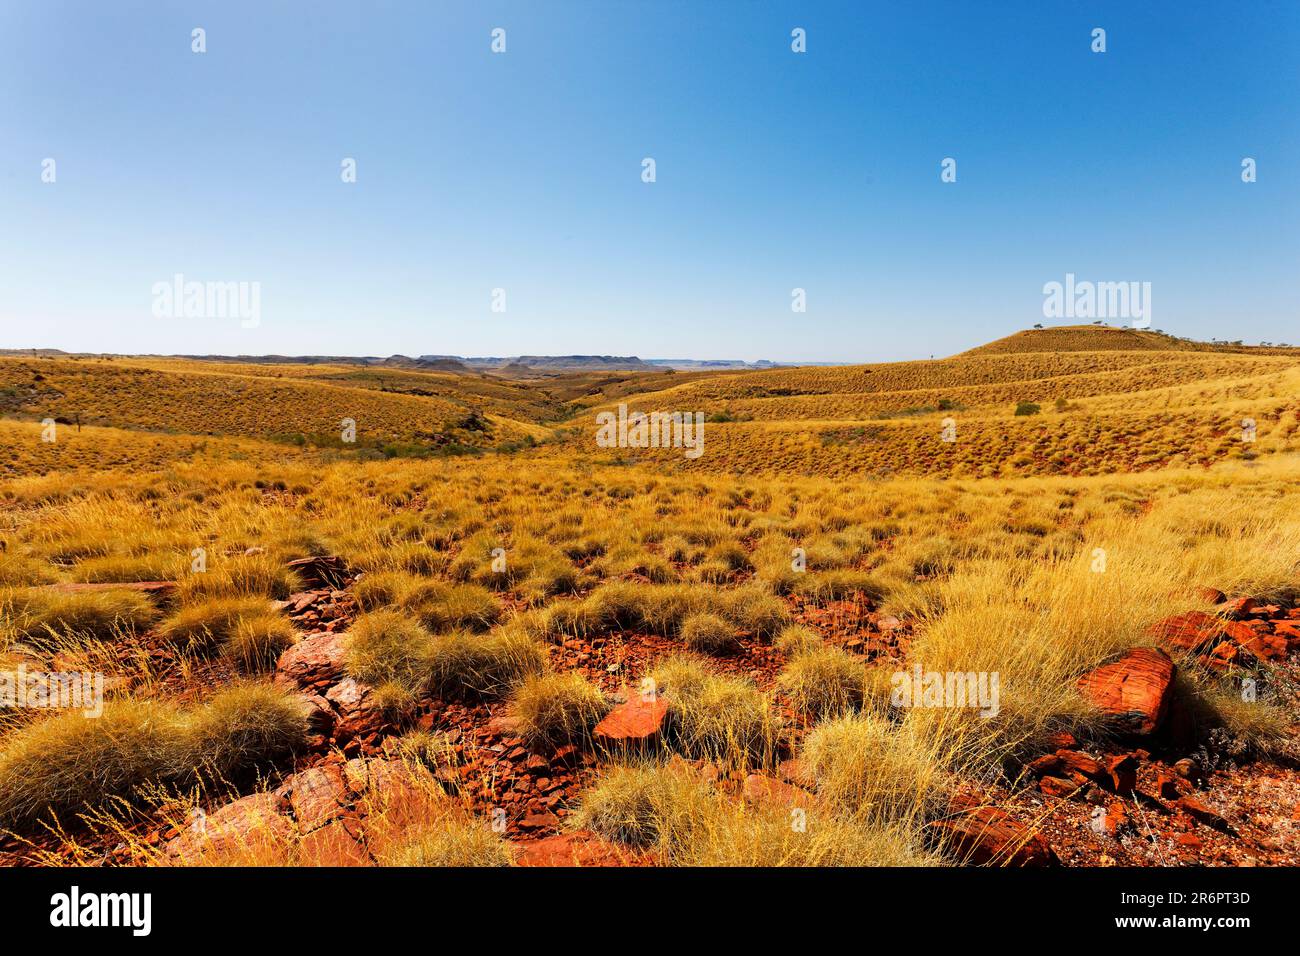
{"x": 1243, "y": 631}
{"x": 1074, "y": 762}
{"x": 1268, "y": 647}
{"x": 1224, "y": 652}
{"x": 536, "y": 765}
{"x": 1061, "y": 740}
{"x": 761, "y": 789}
{"x": 298, "y": 602}
{"x": 359, "y": 716}
{"x": 539, "y": 820}
{"x": 1122, "y": 770}
{"x": 503, "y": 725}
{"x": 637, "y": 723}
{"x": 1058, "y": 787}
{"x": 1187, "y": 632}
{"x": 332, "y": 845}
{"x": 1288, "y": 629}
{"x": 1046, "y": 765}
{"x": 1133, "y": 691}
{"x": 328, "y": 571}
{"x": 1116, "y": 819}
{"x": 1189, "y": 840}
{"x": 988, "y": 836}
{"x": 564, "y": 755}
{"x": 313, "y": 663}
{"x": 1211, "y": 595}
{"x": 402, "y": 792}
{"x": 320, "y": 715}
{"x": 1199, "y": 811}
{"x": 251, "y": 826}
{"x": 315, "y": 796}
{"x": 1238, "y": 608}
{"x": 578, "y": 848}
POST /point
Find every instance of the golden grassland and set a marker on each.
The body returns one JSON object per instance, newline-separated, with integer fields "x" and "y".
{"x": 999, "y": 572}
{"x": 1075, "y": 413}
{"x": 197, "y": 399}
{"x": 988, "y": 545}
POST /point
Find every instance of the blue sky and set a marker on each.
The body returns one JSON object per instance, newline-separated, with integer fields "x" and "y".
{"x": 522, "y": 171}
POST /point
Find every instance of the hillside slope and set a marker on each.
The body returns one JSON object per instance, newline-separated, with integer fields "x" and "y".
{"x": 1137, "y": 407}
{"x": 1102, "y": 338}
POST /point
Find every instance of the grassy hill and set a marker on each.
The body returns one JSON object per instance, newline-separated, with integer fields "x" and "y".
{"x": 1140, "y": 405}
{"x": 1102, "y": 338}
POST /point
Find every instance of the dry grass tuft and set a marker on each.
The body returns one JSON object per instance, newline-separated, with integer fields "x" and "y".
{"x": 824, "y": 682}
{"x": 872, "y": 769}
{"x": 716, "y": 717}
{"x": 258, "y": 641}
{"x": 212, "y": 623}
{"x": 68, "y": 617}
{"x": 477, "y": 666}
{"x": 708, "y": 634}
{"x": 70, "y": 764}
{"x": 557, "y": 708}
{"x": 797, "y": 639}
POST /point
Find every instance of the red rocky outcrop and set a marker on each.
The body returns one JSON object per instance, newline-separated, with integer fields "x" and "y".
{"x": 241, "y": 828}
{"x": 1132, "y": 691}
{"x": 1193, "y": 631}
{"x": 578, "y": 848}
{"x": 984, "y": 836}
{"x": 359, "y": 718}
{"x": 314, "y": 663}
{"x": 635, "y": 724}
{"x": 327, "y": 571}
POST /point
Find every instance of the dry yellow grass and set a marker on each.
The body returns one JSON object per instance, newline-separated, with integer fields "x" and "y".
{"x": 988, "y": 544}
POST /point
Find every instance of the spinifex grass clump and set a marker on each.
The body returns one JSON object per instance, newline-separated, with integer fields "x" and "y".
{"x": 671, "y": 811}
{"x": 392, "y": 651}
{"x": 438, "y": 605}
{"x": 645, "y": 805}
{"x": 865, "y": 765}
{"x": 53, "y": 616}
{"x": 260, "y": 575}
{"x": 69, "y": 764}
{"x": 388, "y": 646}
{"x": 258, "y": 641}
{"x": 210, "y": 624}
{"x": 796, "y": 639}
{"x": 708, "y": 634}
{"x": 557, "y": 708}
{"x": 716, "y": 717}
{"x": 477, "y": 666}
{"x": 824, "y": 682}
{"x": 665, "y": 608}
{"x": 453, "y": 839}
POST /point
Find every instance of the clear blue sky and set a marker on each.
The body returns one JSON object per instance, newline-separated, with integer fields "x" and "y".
{"x": 523, "y": 171}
